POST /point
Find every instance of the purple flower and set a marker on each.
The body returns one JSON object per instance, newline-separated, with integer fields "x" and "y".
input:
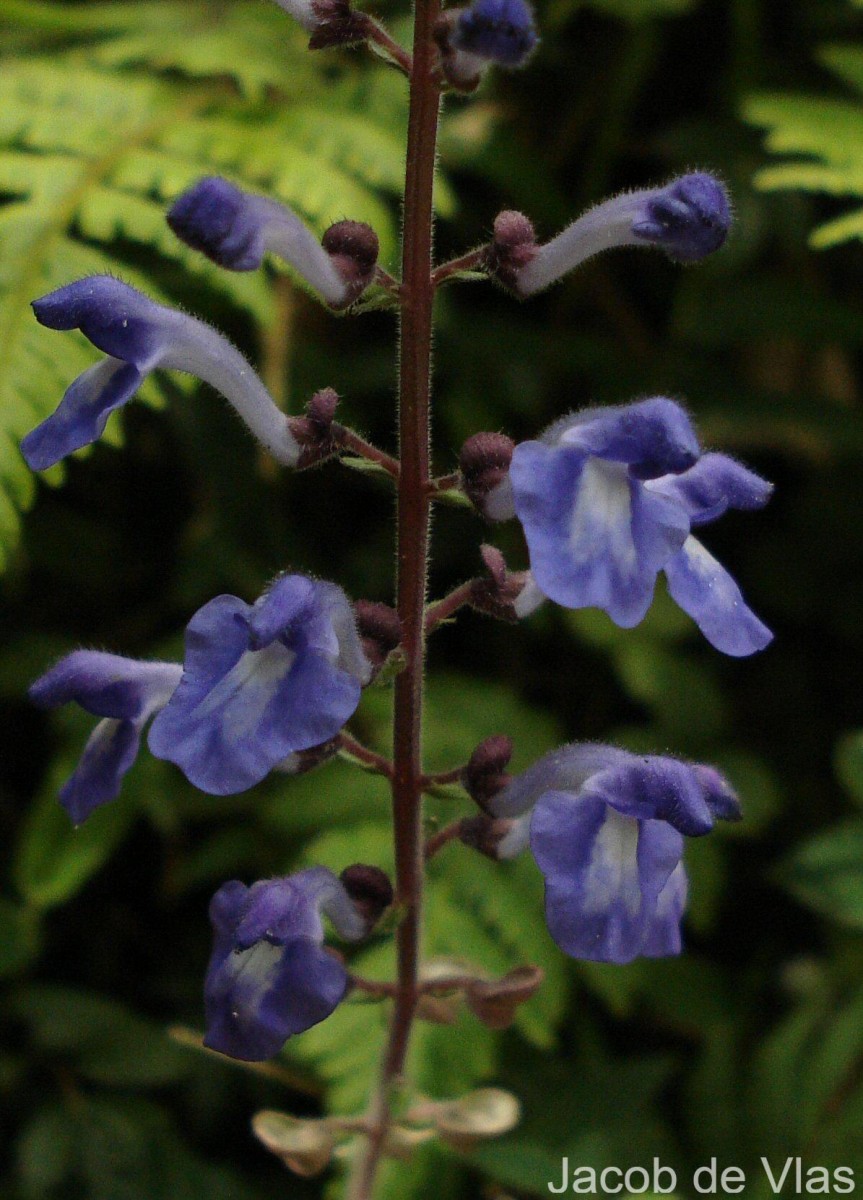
{"x": 607, "y": 499}
{"x": 499, "y": 31}
{"x": 260, "y": 682}
{"x": 125, "y": 694}
{"x": 236, "y": 229}
{"x": 688, "y": 218}
{"x": 606, "y": 828}
{"x": 269, "y": 976}
{"x": 139, "y": 335}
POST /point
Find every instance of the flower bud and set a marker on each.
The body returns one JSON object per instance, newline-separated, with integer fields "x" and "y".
{"x": 353, "y": 248}
{"x": 496, "y": 31}
{"x": 485, "y": 774}
{"x": 484, "y": 464}
{"x": 330, "y": 22}
{"x": 504, "y": 594}
{"x": 513, "y": 247}
{"x": 688, "y": 218}
{"x": 313, "y": 432}
{"x": 337, "y": 24}
{"x": 370, "y": 891}
{"x": 491, "y": 836}
{"x": 380, "y": 632}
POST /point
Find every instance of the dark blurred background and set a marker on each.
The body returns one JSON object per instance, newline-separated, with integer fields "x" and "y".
{"x": 751, "y": 1044}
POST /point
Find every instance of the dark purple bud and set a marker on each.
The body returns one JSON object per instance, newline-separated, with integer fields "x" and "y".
{"x": 504, "y": 594}
{"x": 337, "y": 24}
{"x": 499, "y": 31}
{"x": 380, "y": 631}
{"x": 353, "y": 248}
{"x": 485, "y": 774}
{"x": 461, "y": 70}
{"x": 484, "y": 464}
{"x": 513, "y": 247}
{"x": 370, "y": 891}
{"x": 488, "y": 835}
{"x": 313, "y": 432}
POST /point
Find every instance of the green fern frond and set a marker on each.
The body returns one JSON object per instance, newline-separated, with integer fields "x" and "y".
{"x": 93, "y": 150}
{"x": 846, "y": 62}
{"x": 826, "y": 135}
{"x": 829, "y": 130}
{"x": 483, "y": 913}
{"x": 843, "y": 229}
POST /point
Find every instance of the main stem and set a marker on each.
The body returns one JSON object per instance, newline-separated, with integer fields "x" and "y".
{"x": 412, "y": 556}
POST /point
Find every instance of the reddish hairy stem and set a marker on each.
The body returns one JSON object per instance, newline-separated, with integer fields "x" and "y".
{"x": 351, "y": 440}
{"x": 444, "y": 483}
{"x": 377, "y": 762}
{"x": 473, "y": 260}
{"x": 446, "y": 608}
{"x": 400, "y": 56}
{"x": 417, "y": 299}
{"x": 373, "y": 987}
{"x": 437, "y": 778}
{"x": 442, "y": 838}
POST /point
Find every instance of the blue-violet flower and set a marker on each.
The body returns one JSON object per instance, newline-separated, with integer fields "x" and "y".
{"x": 499, "y": 31}
{"x": 607, "y": 829}
{"x": 125, "y": 694}
{"x": 608, "y": 498}
{"x": 260, "y": 682}
{"x": 236, "y": 229}
{"x": 139, "y": 335}
{"x": 269, "y": 976}
{"x": 688, "y": 218}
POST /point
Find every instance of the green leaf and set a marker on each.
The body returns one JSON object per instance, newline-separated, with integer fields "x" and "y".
{"x": 45, "y": 1151}
{"x": 96, "y": 140}
{"x": 53, "y": 859}
{"x": 107, "y": 1043}
{"x": 826, "y": 873}
{"x": 19, "y": 937}
{"x": 848, "y": 764}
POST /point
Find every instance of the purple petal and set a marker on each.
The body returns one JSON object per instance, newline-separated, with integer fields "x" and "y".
{"x": 501, "y": 31}
{"x": 654, "y": 787}
{"x": 222, "y": 222}
{"x": 719, "y": 794}
{"x": 565, "y": 769}
{"x": 115, "y": 317}
{"x": 109, "y": 753}
{"x": 106, "y": 685}
{"x": 603, "y": 874}
{"x": 287, "y": 601}
{"x": 715, "y": 484}
{"x": 662, "y": 933}
{"x": 238, "y": 712}
{"x": 256, "y": 999}
{"x": 654, "y": 437}
{"x": 82, "y": 414}
{"x": 706, "y": 591}
{"x": 596, "y": 537}
{"x": 688, "y": 219}
{"x": 280, "y": 910}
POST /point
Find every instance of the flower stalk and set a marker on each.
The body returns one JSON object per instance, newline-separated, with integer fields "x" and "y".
{"x": 417, "y": 300}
